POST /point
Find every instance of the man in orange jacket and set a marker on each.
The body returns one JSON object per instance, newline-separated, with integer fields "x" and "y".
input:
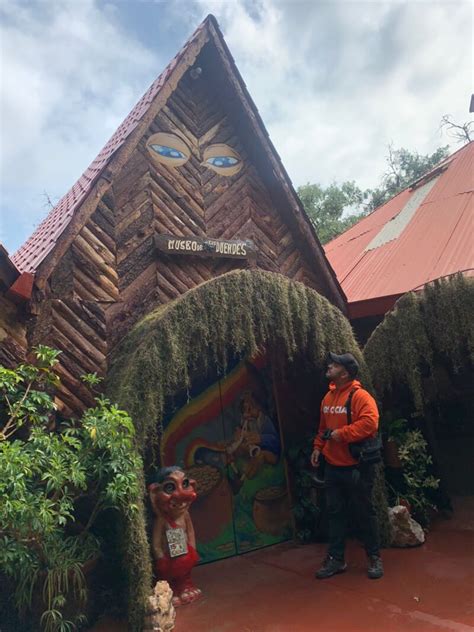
{"x": 344, "y": 476}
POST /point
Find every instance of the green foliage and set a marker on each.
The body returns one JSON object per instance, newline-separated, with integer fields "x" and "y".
{"x": 328, "y": 208}
{"x": 307, "y": 513}
{"x": 24, "y": 392}
{"x": 237, "y": 313}
{"x": 433, "y": 325}
{"x": 92, "y": 379}
{"x": 393, "y": 429}
{"x": 403, "y": 168}
{"x": 413, "y": 453}
{"x": 334, "y": 209}
{"x": 45, "y": 468}
{"x": 379, "y": 499}
{"x": 135, "y": 550}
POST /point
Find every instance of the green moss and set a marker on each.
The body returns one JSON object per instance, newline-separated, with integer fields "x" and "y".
{"x": 237, "y": 313}
{"x": 423, "y": 328}
{"x": 380, "y": 502}
{"x": 136, "y": 559}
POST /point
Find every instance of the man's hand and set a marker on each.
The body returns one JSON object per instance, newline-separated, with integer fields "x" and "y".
{"x": 315, "y": 457}
{"x": 336, "y": 436}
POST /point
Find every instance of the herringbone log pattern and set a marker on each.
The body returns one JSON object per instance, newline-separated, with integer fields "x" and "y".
{"x": 112, "y": 275}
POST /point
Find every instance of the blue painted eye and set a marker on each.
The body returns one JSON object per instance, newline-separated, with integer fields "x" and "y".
{"x": 223, "y": 161}
{"x": 168, "y": 152}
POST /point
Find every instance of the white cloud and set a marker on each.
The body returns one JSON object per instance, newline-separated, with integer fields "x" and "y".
{"x": 335, "y": 82}
{"x": 69, "y": 74}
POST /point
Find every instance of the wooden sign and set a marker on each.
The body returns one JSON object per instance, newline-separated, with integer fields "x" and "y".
{"x": 205, "y": 247}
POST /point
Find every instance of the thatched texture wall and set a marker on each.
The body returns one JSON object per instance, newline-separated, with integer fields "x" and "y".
{"x": 237, "y": 313}
{"x": 435, "y": 325}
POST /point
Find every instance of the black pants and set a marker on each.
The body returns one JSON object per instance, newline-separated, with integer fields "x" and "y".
{"x": 342, "y": 485}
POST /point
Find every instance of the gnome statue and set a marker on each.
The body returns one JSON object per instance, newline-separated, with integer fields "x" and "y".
{"x": 174, "y": 543}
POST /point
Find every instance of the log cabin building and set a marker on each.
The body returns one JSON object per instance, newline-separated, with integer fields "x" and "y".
{"x": 188, "y": 192}
{"x": 95, "y": 262}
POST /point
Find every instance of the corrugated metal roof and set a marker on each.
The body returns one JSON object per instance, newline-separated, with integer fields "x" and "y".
{"x": 436, "y": 242}
{"x": 29, "y": 256}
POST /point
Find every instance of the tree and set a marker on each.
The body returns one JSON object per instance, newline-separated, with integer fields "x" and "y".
{"x": 334, "y": 209}
{"x": 461, "y": 132}
{"x": 326, "y": 207}
{"x": 404, "y": 167}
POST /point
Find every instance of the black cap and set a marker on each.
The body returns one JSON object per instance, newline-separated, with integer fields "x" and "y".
{"x": 347, "y": 360}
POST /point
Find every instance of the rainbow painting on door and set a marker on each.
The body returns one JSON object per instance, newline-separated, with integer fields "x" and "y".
{"x": 228, "y": 439}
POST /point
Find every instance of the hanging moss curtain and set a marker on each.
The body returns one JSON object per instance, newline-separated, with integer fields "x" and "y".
{"x": 423, "y": 328}
{"x": 237, "y": 313}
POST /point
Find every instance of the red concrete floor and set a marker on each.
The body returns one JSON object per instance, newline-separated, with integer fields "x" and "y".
{"x": 425, "y": 589}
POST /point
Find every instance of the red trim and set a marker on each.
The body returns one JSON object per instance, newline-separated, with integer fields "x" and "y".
{"x": 22, "y": 288}
{"x": 372, "y": 307}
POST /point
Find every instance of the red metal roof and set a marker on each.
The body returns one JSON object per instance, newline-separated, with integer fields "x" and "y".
{"x": 29, "y": 256}
{"x": 436, "y": 242}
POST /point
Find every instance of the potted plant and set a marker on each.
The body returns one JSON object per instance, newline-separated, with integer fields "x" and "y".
{"x": 419, "y": 483}
{"x": 47, "y": 467}
{"x": 393, "y": 433}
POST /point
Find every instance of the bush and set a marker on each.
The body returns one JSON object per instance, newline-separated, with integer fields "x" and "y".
{"x": 419, "y": 484}
{"x": 50, "y": 469}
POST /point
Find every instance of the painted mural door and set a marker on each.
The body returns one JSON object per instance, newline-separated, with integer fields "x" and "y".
{"x": 227, "y": 437}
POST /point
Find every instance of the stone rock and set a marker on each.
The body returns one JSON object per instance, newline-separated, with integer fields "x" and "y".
{"x": 160, "y": 612}
{"x": 405, "y": 530}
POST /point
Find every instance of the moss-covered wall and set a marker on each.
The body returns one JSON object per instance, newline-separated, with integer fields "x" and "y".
{"x": 425, "y": 328}
{"x": 237, "y": 313}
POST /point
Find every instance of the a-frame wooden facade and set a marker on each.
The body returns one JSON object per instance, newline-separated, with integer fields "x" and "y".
{"x": 96, "y": 265}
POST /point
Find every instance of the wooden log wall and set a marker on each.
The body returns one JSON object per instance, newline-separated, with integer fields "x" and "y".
{"x": 111, "y": 275}
{"x": 73, "y": 316}
{"x": 13, "y": 341}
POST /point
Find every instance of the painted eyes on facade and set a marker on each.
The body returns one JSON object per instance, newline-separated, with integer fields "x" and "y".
{"x": 168, "y": 149}
{"x": 171, "y": 150}
{"x": 167, "y": 152}
{"x": 222, "y": 159}
{"x": 186, "y": 483}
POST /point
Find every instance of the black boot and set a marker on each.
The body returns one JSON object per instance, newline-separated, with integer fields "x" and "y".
{"x": 331, "y": 567}
{"x": 375, "y": 568}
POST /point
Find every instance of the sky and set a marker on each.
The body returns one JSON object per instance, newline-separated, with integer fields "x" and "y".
{"x": 335, "y": 82}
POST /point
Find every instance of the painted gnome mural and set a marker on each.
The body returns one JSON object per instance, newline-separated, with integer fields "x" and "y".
{"x": 173, "y": 540}
{"x": 224, "y": 431}
{"x": 255, "y": 439}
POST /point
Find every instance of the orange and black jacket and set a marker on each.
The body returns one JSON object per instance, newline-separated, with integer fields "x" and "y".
{"x": 365, "y": 421}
